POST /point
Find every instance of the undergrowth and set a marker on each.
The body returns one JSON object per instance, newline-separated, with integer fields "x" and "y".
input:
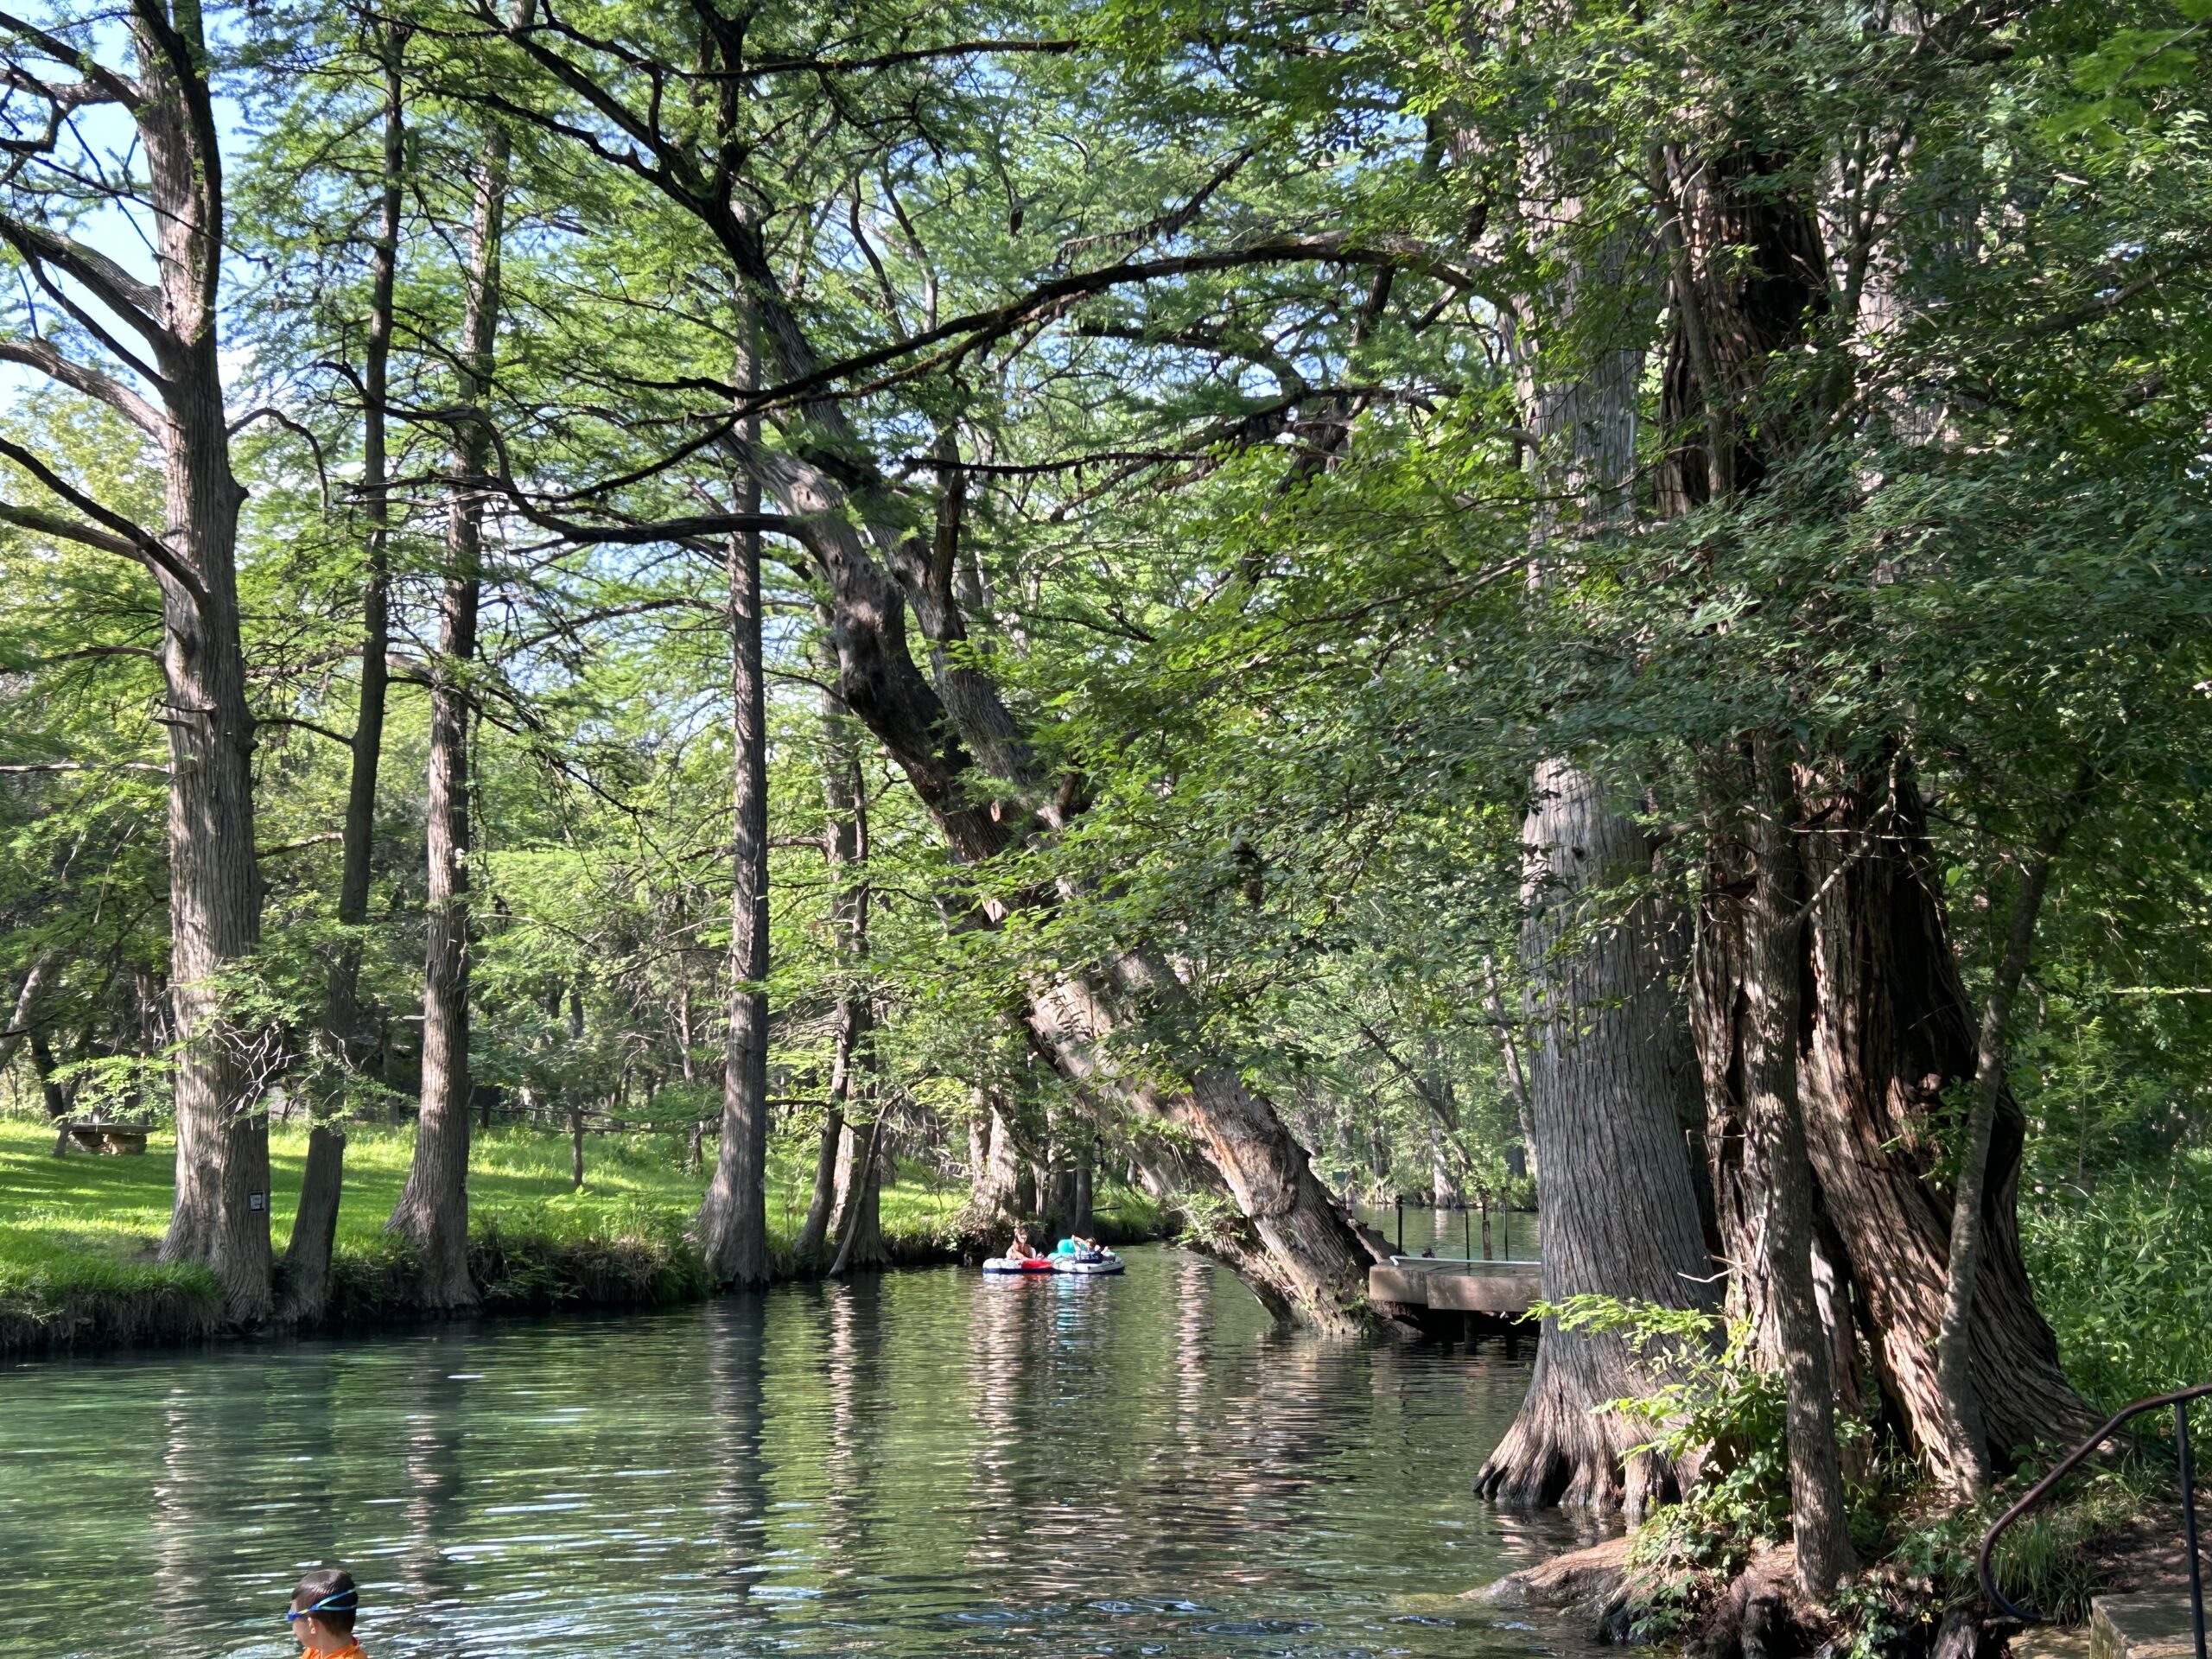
{"x": 1720, "y": 1419}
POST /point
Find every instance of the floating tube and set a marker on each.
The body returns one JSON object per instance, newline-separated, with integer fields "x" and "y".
{"x": 1104, "y": 1263}
{"x": 1019, "y": 1264}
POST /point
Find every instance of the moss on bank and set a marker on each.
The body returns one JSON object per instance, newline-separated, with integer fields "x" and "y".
{"x": 77, "y": 1235}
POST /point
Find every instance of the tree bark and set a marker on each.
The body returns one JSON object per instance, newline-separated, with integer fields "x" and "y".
{"x": 860, "y": 1214}
{"x": 733, "y": 1224}
{"x": 42, "y": 972}
{"x": 51, "y": 1094}
{"x": 432, "y": 1209}
{"x": 844, "y": 847}
{"x": 315, "y": 1223}
{"x": 1617, "y": 1210}
{"x": 1886, "y": 1030}
{"x": 940, "y": 731}
{"x": 1780, "y": 1176}
{"x": 220, "y": 1216}
{"x": 1965, "y": 1449}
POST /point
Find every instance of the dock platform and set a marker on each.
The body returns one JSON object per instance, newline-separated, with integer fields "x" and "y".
{"x": 1497, "y": 1290}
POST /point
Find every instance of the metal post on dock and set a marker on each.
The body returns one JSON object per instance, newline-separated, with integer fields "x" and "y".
{"x": 1467, "y": 1231}
{"x": 1401, "y": 1223}
{"x": 1506, "y": 1215}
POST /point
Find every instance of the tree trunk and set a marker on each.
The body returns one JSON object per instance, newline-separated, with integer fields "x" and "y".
{"x": 315, "y": 1223}
{"x": 51, "y": 1094}
{"x": 1618, "y": 1210}
{"x": 1608, "y": 1061}
{"x": 43, "y": 972}
{"x": 1304, "y": 1258}
{"x": 1891, "y": 1030}
{"x": 733, "y": 1224}
{"x": 1084, "y": 1223}
{"x": 432, "y": 1209}
{"x": 860, "y": 1215}
{"x": 1886, "y": 1028}
{"x": 1779, "y": 1176}
{"x": 940, "y": 730}
{"x": 845, "y": 850}
{"x": 220, "y": 1216}
{"x": 1965, "y": 1451}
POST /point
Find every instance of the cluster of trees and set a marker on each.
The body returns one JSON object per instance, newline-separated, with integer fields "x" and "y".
{"x": 1283, "y": 596}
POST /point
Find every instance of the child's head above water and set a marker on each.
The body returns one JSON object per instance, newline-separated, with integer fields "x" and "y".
{"x": 322, "y": 1610}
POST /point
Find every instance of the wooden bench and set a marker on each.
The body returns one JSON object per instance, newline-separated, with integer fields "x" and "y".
{"x": 93, "y": 1135}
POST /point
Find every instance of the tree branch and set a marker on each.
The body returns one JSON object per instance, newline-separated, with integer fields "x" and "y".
{"x": 42, "y": 355}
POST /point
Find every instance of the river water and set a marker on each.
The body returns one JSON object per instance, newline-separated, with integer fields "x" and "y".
{"x": 929, "y": 1463}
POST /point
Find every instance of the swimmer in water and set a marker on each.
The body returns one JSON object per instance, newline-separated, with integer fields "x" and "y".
{"x": 323, "y": 1615}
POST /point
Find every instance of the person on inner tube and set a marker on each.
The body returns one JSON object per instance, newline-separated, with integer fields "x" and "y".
{"x": 1022, "y": 1250}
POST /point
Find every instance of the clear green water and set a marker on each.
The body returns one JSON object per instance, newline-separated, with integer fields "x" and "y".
{"x": 926, "y": 1464}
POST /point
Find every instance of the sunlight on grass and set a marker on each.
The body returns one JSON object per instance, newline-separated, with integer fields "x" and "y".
{"x": 87, "y": 1220}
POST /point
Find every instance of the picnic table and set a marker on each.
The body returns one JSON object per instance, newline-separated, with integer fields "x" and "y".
{"x": 95, "y": 1134}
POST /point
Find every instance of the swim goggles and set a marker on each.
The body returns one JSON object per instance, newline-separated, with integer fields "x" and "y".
{"x": 344, "y": 1601}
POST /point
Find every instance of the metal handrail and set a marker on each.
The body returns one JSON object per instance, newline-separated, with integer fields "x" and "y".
{"x": 2178, "y": 1400}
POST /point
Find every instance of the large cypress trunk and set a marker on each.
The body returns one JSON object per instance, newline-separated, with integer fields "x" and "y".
{"x": 315, "y": 1223}
{"x": 1885, "y": 1025}
{"x": 433, "y": 1208}
{"x": 1891, "y": 1029}
{"x": 1609, "y": 1064}
{"x": 1618, "y": 1213}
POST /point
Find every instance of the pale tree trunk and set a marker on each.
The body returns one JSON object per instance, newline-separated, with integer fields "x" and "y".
{"x": 1617, "y": 1213}
{"x": 1965, "y": 1451}
{"x": 939, "y": 732}
{"x": 844, "y": 847}
{"x": 860, "y": 1215}
{"x": 733, "y": 1224}
{"x": 44, "y": 969}
{"x": 432, "y": 1209}
{"x": 1779, "y": 1175}
{"x": 1618, "y": 1210}
{"x": 994, "y": 1202}
{"x": 315, "y": 1223}
{"x": 1298, "y": 1250}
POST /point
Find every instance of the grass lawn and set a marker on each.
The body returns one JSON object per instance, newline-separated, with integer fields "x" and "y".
{"x": 78, "y": 1234}
{"x": 87, "y": 1226}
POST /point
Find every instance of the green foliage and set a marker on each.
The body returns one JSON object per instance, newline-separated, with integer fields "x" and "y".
{"x": 1717, "y": 1415}
{"x": 2124, "y": 1267}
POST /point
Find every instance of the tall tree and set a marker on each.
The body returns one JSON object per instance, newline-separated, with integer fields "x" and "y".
{"x": 314, "y": 1225}
{"x": 734, "y": 1215}
{"x": 165, "y": 334}
{"x": 433, "y": 1208}
{"x": 845, "y": 851}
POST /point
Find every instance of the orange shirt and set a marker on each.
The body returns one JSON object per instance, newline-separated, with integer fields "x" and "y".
{"x": 351, "y": 1650}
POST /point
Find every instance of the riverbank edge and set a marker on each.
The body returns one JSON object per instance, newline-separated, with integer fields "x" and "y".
{"x": 373, "y": 1288}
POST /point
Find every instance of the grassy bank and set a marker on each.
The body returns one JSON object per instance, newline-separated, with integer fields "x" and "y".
{"x": 78, "y": 1234}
